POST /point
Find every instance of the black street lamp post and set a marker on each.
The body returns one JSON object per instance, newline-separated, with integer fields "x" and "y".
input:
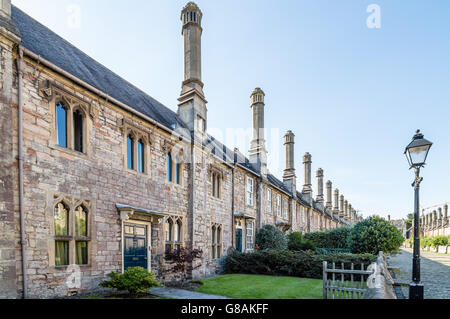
{"x": 416, "y": 153}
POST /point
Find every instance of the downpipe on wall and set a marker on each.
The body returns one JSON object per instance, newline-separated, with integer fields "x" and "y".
{"x": 23, "y": 241}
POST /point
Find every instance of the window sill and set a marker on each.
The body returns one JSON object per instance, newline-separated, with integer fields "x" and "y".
{"x": 174, "y": 184}
{"x": 56, "y": 147}
{"x": 132, "y": 171}
{"x": 67, "y": 266}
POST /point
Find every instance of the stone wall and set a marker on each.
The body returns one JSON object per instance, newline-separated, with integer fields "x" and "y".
{"x": 98, "y": 177}
{"x": 7, "y": 163}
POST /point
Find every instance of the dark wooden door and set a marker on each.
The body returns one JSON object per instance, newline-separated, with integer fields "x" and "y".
{"x": 135, "y": 247}
{"x": 239, "y": 240}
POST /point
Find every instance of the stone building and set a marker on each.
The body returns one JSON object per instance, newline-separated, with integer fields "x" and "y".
{"x": 434, "y": 221}
{"x": 97, "y": 176}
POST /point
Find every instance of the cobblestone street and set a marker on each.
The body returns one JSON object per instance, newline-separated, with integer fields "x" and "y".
{"x": 435, "y": 272}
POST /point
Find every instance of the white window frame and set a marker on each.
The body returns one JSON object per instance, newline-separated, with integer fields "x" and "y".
{"x": 250, "y": 191}
{"x": 279, "y": 210}
{"x": 249, "y": 234}
{"x": 269, "y": 200}
{"x": 286, "y": 208}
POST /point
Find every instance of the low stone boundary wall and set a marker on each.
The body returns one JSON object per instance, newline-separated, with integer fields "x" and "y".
{"x": 437, "y": 249}
{"x": 380, "y": 284}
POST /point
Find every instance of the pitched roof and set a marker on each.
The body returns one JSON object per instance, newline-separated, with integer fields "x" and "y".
{"x": 42, "y": 41}
{"x": 47, "y": 44}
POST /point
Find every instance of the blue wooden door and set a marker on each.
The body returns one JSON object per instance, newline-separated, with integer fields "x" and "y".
{"x": 239, "y": 240}
{"x": 135, "y": 247}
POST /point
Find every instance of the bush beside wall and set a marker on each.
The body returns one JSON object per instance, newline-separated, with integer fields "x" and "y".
{"x": 335, "y": 238}
{"x": 304, "y": 264}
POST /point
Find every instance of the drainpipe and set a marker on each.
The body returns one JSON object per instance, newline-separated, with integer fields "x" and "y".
{"x": 20, "y": 158}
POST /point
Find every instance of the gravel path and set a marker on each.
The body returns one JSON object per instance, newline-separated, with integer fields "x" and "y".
{"x": 174, "y": 293}
{"x": 434, "y": 270}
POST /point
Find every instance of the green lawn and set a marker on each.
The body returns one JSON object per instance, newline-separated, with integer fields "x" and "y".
{"x": 262, "y": 287}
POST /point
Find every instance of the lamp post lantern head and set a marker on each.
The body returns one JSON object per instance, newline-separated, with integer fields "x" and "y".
{"x": 417, "y": 151}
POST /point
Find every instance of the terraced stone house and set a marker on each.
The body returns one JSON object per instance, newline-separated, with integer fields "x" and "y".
{"x": 97, "y": 176}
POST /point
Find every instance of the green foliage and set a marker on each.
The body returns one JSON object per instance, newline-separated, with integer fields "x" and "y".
{"x": 409, "y": 220}
{"x": 135, "y": 280}
{"x": 435, "y": 241}
{"x": 297, "y": 242}
{"x": 374, "y": 235}
{"x": 270, "y": 237}
{"x": 335, "y": 238}
{"x": 305, "y": 264}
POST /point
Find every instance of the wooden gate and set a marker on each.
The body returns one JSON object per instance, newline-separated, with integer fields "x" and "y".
{"x": 344, "y": 283}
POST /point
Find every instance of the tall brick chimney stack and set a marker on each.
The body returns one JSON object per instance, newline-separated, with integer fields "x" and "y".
{"x": 346, "y": 209}
{"x": 341, "y": 207}
{"x": 289, "y": 178}
{"x": 307, "y": 186}
{"x": 329, "y": 203}
{"x": 336, "y": 203}
{"x": 192, "y": 102}
{"x": 257, "y": 151}
{"x": 319, "y": 175}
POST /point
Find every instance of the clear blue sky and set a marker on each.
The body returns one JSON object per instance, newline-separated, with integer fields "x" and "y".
{"x": 353, "y": 96}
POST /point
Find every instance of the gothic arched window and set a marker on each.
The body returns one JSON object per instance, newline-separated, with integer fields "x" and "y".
{"x": 140, "y": 156}
{"x": 78, "y": 130}
{"x": 169, "y": 167}
{"x": 130, "y": 152}
{"x": 61, "y": 125}
{"x": 61, "y": 221}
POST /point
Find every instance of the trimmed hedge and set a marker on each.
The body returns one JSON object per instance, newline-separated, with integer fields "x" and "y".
{"x": 297, "y": 242}
{"x": 335, "y": 238}
{"x": 433, "y": 241}
{"x": 373, "y": 235}
{"x": 304, "y": 264}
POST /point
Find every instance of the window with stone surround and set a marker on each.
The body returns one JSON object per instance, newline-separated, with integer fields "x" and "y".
{"x": 249, "y": 234}
{"x": 279, "y": 209}
{"x": 175, "y": 168}
{"x": 70, "y": 123}
{"x": 130, "y": 152}
{"x": 250, "y": 191}
{"x": 61, "y": 124}
{"x": 269, "y": 200}
{"x": 286, "y": 208}
{"x": 137, "y": 148}
{"x": 216, "y": 184}
{"x": 71, "y": 239}
{"x": 173, "y": 231}
{"x": 216, "y": 241}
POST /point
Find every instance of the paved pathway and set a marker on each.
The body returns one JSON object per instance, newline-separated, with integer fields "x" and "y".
{"x": 181, "y": 294}
{"x": 434, "y": 272}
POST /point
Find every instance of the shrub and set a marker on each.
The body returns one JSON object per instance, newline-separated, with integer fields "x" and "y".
{"x": 270, "y": 237}
{"x": 181, "y": 262}
{"x": 374, "y": 235}
{"x": 305, "y": 264}
{"x": 297, "y": 242}
{"x": 135, "y": 280}
{"x": 335, "y": 238}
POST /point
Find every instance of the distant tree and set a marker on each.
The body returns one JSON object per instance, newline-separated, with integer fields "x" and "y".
{"x": 408, "y": 221}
